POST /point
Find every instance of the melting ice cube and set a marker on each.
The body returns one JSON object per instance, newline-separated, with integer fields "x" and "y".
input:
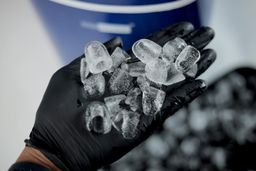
{"x": 120, "y": 82}
{"x": 130, "y": 123}
{"x": 97, "y": 118}
{"x": 136, "y": 69}
{"x": 97, "y": 57}
{"x": 152, "y": 100}
{"x": 146, "y": 50}
{"x": 84, "y": 70}
{"x": 187, "y": 58}
{"x": 133, "y": 99}
{"x": 172, "y": 49}
{"x": 95, "y": 85}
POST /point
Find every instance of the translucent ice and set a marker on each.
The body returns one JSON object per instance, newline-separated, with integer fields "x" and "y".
{"x": 118, "y": 57}
{"x": 133, "y": 99}
{"x": 112, "y": 103}
{"x": 130, "y": 123}
{"x": 136, "y": 69}
{"x": 84, "y": 70}
{"x": 157, "y": 71}
{"x": 95, "y": 85}
{"x": 192, "y": 71}
{"x": 172, "y": 49}
{"x": 173, "y": 75}
{"x": 187, "y": 58}
{"x": 146, "y": 50}
{"x": 97, "y": 118}
{"x": 97, "y": 57}
{"x": 142, "y": 82}
{"x": 120, "y": 82}
{"x": 152, "y": 100}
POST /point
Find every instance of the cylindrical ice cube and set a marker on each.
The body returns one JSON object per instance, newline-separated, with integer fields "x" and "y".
{"x": 97, "y": 57}
{"x": 187, "y": 58}
{"x": 97, "y": 118}
{"x": 146, "y": 50}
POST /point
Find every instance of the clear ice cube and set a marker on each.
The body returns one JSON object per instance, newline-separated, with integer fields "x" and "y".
{"x": 112, "y": 103}
{"x": 133, "y": 99}
{"x": 152, "y": 100}
{"x": 192, "y": 71}
{"x": 173, "y": 75}
{"x": 130, "y": 123}
{"x": 97, "y": 57}
{"x": 118, "y": 57}
{"x": 120, "y": 82}
{"x": 146, "y": 50}
{"x": 157, "y": 71}
{"x": 136, "y": 69}
{"x": 187, "y": 58}
{"x": 95, "y": 85}
{"x": 97, "y": 118}
{"x": 84, "y": 70}
{"x": 172, "y": 49}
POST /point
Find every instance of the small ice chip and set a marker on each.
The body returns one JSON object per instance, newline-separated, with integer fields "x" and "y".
{"x": 187, "y": 58}
{"x": 112, "y": 103}
{"x": 133, "y": 99}
{"x": 157, "y": 71}
{"x": 146, "y": 50}
{"x": 120, "y": 82}
{"x": 130, "y": 123}
{"x": 97, "y": 118}
{"x": 172, "y": 49}
{"x": 152, "y": 100}
{"x": 174, "y": 75}
{"x": 97, "y": 57}
{"x": 84, "y": 70}
{"x": 95, "y": 85}
{"x": 136, "y": 69}
{"x": 192, "y": 71}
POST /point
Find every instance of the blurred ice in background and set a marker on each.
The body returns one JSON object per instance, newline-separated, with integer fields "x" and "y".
{"x": 28, "y": 59}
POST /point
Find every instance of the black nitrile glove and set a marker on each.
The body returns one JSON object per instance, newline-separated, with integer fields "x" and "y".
{"x": 60, "y": 133}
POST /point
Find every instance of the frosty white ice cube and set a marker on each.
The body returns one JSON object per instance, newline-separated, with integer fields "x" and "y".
{"x": 136, "y": 69}
{"x": 152, "y": 100}
{"x": 120, "y": 82}
{"x": 97, "y": 57}
{"x": 97, "y": 118}
{"x": 187, "y": 58}
{"x": 84, "y": 70}
{"x": 95, "y": 85}
{"x": 130, "y": 124}
{"x": 133, "y": 99}
{"x": 172, "y": 49}
{"x": 146, "y": 50}
{"x": 157, "y": 71}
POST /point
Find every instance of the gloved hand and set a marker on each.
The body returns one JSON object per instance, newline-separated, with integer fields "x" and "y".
{"x": 60, "y": 133}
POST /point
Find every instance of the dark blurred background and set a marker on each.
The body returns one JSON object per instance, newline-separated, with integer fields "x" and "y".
{"x": 215, "y": 132}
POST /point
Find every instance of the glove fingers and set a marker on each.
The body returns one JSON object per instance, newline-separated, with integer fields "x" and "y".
{"x": 208, "y": 56}
{"x": 200, "y": 37}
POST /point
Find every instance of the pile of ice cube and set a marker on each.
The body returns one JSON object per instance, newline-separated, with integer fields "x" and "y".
{"x": 123, "y": 90}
